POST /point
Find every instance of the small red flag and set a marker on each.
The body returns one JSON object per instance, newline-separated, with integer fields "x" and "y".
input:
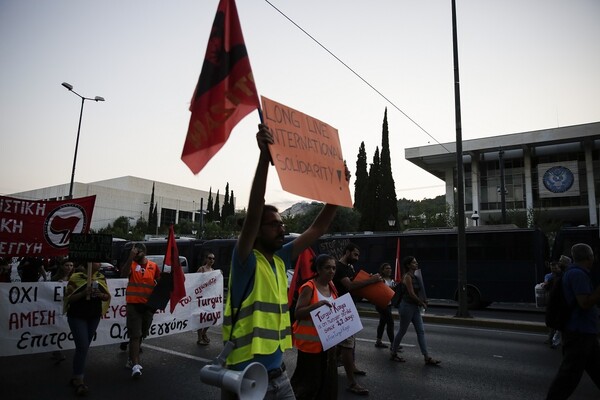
{"x": 302, "y": 272}
{"x": 172, "y": 259}
{"x": 397, "y": 270}
{"x": 225, "y": 93}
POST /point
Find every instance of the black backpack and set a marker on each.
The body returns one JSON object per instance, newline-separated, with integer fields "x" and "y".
{"x": 558, "y": 310}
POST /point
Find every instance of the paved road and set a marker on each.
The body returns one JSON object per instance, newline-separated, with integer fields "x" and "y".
{"x": 478, "y": 363}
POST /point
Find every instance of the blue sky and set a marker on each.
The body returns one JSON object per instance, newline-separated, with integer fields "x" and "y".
{"x": 524, "y": 65}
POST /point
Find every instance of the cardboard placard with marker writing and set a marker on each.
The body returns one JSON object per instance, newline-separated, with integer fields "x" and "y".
{"x": 307, "y": 155}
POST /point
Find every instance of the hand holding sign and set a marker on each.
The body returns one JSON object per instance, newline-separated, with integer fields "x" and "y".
{"x": 336, "y": 321}
{"x": 307, "y": 155}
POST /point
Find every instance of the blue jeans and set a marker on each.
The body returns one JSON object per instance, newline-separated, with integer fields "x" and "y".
{"x": 410, "y": 313}
{"x": 83, "y": 331}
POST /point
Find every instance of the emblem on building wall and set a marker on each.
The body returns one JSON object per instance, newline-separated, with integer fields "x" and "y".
{"x": 558, "y": 180}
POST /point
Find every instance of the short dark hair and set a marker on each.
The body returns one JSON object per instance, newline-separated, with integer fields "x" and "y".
{"x": 350, "y": 247}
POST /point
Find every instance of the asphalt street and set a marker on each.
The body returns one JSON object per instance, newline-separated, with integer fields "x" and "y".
{"x": 478, "y": 362}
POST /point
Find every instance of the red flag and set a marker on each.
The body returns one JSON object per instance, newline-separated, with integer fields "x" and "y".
{"x": 397, "y": 270}
{"x": 302, "y": 272}
{"x": 225, "y": 92}
{"x": 33, "y": 228}
{"x": 172, "y": 259}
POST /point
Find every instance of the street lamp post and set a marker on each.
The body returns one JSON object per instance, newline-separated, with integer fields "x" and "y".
{"x": 391, "y": 221}
{"x": 69, "y": 87}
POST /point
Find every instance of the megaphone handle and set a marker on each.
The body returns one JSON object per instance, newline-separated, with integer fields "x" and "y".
{"x": 222, "y": 357}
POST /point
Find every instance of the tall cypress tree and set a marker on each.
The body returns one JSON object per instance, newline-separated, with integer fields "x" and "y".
{"x": 388, "y": 204}
{"x": 151, "y": 220}
{"x": 225, "y": 208}
{"x": 216, "y": 209}
{"x": 362, "y": 178}
{"x": 209, "y": 207}
{"x": 368, "y": 220}
{"x": 231, "y": 204}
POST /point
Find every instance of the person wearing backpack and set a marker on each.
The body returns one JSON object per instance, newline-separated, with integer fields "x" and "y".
{"x": 581, "y": 349}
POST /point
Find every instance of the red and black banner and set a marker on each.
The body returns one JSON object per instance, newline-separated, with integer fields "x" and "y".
{"x": 225, "y": 93}
{"x": 35, "y": 228}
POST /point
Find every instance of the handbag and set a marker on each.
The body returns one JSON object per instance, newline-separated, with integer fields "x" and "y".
{"x": 161, "y": 294}
{"x": 398, "y": 293}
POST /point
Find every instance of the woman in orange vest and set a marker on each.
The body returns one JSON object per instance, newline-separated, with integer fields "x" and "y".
{"x": 315, "y": 376}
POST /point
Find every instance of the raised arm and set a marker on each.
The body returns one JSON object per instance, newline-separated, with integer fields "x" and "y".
{"x": 256, "y": 201}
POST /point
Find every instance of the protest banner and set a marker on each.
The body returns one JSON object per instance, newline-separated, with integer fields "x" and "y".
{"x": 307, "y": 155}
{"x": 36, "y": 228}
{"x": 32, "y": 319}
{"x": 336, "y": 323}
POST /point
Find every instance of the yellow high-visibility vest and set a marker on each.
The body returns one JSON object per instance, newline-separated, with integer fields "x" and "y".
{"x": 263, "y": 322}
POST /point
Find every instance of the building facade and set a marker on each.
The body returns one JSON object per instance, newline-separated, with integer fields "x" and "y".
{"x": 130, "y": 197}
{"x": 553, "y": 173}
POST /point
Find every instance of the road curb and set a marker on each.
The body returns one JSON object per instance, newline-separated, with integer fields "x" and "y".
{"x": 525, "y": 326}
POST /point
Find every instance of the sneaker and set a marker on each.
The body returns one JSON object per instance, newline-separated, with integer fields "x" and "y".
{"x": 136, "y": 371}
{"x": 128, "y": 364}
{"x": 379, "y": 344}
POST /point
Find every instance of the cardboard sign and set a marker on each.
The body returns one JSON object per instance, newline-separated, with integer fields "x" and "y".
{"x": 92, "y": 247}
{"x": 336, "y": 323}
{"x": 307, "y": 155}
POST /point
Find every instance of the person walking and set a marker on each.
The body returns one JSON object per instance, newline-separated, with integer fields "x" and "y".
{"x": 203, "y": 338}
{"x": 409, "y": 312}
{"x": 580, "y": 346}
{"x": 142, "y": 275}
{"x": 344, "y": 282}
{"x": 257, "y": 320}
{"x": 315, "y": 377}
{"x": 386, "y": 319}
{"x": 84, "y": 305}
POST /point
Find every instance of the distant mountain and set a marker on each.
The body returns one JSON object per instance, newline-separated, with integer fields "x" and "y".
{"x": 297, "y": 209}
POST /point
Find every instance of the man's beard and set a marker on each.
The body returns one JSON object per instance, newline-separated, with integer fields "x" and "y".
{"x": 273, "y": 245}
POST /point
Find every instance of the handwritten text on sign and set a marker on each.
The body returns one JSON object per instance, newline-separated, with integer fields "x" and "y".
{"x": 338, "y": 322}
{"x": 307, "y": 155}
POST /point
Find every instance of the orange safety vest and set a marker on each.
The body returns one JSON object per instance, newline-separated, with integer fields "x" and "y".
{"x": 141, "y": 284}
{"x": 305, "y": 335}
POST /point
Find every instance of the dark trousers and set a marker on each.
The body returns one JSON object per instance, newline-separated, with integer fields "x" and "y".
{"x": 315, "y": 377}
{"x": 581, "y": 352}
{"x": 386, "y": 322}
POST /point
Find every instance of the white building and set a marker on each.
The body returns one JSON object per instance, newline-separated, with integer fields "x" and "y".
{"x": 554, "y": 171}
{"x": 129, "y": 196}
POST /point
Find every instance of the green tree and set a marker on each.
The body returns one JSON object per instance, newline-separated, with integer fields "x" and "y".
{"x": 216, "y": 209}
{"x": 368, "y": 220}
{"x": 386, "y": 203}
{"x": 209, "y": 207}
{"x": 152, "y": 215}
{"x": 361, "y": 178}
{"x": 225, "y": 208}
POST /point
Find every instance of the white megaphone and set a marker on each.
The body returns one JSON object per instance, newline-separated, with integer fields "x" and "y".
{"x": 249, "y": 384}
